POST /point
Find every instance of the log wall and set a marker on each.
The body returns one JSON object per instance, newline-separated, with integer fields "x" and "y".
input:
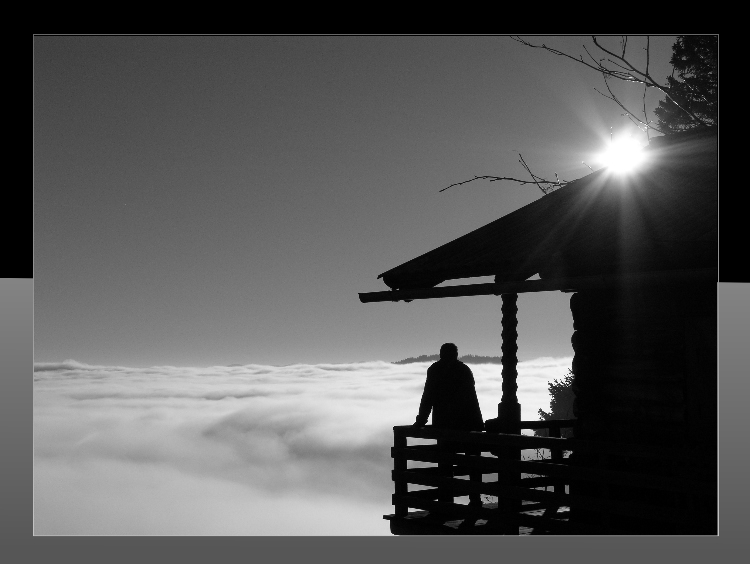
{"x": 645, "y": 372}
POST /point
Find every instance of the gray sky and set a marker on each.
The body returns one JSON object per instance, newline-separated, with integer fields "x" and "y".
{"x": 217, "y": 200}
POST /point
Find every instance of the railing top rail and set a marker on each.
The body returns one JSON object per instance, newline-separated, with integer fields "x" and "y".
{"x": 551, "y": 424}
{"x": 532, "y": 442}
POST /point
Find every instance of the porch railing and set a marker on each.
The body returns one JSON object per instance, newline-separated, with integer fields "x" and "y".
{"x": 605, "y": 487}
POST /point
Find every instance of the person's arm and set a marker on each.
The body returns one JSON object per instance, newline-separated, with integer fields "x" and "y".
{"x": 476, "y": 411}
{"x": 425, "y": 406}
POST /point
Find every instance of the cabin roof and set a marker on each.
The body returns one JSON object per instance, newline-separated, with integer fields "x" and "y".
{"x": 663, "y": 217}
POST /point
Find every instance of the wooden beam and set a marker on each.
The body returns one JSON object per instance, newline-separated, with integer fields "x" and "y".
{"x": 548, "y": 285}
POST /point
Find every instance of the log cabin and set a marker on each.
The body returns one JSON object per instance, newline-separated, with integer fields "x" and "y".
{"x": 638, "y": 254}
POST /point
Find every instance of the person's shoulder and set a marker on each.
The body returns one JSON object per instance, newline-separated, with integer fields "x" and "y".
{"x": 465, "y": 368}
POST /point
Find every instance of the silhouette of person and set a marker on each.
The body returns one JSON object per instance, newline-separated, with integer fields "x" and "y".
{"x": 450, "y": 395}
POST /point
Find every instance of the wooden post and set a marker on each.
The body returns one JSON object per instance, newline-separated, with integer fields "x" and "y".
{"x": 556, "y": 455}
{"x": 445, "y": 493}
{"x": 509, "y": 412}
{"x": 399, "y": 465}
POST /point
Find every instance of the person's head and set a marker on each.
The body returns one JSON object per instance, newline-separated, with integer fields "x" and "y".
{"x": 449, "y": 351}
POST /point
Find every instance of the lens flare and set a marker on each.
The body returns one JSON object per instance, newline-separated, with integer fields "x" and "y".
{"x": 623, "y": 155}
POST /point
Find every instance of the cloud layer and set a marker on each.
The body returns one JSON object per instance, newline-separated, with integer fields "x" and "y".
{"x": 232, "y": 450}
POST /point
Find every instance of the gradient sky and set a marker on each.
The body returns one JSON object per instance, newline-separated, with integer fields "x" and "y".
{"x": 218, "y": 200}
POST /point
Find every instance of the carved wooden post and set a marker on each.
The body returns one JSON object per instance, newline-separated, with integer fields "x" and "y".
{"x": 509, "y": 412}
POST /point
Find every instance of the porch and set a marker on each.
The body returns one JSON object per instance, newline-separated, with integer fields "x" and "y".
{"x": 542, "y": 485}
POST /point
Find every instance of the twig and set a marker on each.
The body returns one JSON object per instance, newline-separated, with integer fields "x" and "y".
{"x": 546, "y": 186}
{"x": 632, "y": 71}
{"x": 628, "y": 113}
{"x": 645, "y": 113}
{"x": 597, "y": 67}
{"x": 523, "y": 162}
{"x": 490, "y": 178}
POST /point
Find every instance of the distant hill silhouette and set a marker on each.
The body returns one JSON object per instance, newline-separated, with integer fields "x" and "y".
{"x": 468, "y": 359}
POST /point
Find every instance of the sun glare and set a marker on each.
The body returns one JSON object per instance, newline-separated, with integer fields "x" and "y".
{"x": 623, "y": 155}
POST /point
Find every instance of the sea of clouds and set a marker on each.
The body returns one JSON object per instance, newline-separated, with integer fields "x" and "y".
{"x": 233, "y": 450}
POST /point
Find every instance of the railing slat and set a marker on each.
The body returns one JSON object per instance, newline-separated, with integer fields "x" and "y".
{"x": 526, "y": 442}
{"x": 486, "y": 463}
{"x": 450, "y": 510}
{"x": 459, "y": 487}
{"x": 551, "y": 424}
{"x": 429, "y": 493}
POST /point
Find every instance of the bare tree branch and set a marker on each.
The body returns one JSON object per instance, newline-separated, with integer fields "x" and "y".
{"x": 632, "y": 71}
{"x": 523, "y": 162}
{"x": 627, "y": 113}
{"x": 647, "y": 79}
{"x": 625, "y": 70}
{"x": 645, "y": 88}
{"x": 625, "y": 74}
{"x": 490, "y": 178}
{"x": 546, "y": 186}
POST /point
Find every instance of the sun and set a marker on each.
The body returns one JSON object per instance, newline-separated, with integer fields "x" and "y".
{"x": 623, "y": 155}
